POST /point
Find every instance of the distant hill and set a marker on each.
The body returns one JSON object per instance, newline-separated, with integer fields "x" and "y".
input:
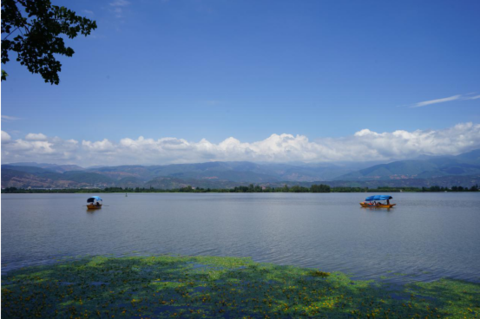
{"x": 462, "y": 170}
{"x": 461, "y": 165}
{"x": 473, "y": 156}
{"x": 211, "y": 174}
{"x": 445, "y": 181}
{"x": 172, "y": 182}
{"x": 19, "y": 179}
{"x": 37, "y": 177}
{"x": 129, "y": 182}
{"x": 228, "y": 171}
{"x": 52, "y": 167}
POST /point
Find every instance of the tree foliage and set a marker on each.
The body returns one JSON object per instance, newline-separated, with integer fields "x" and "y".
{"x": 320, "y": 188}
{"x": 35, "y": 30}
{"x": 243, "y": 189}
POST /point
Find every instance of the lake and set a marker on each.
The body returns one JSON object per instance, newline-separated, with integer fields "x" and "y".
{"x": 425, "y": 237}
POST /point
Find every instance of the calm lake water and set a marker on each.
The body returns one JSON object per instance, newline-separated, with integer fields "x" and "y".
{"x": 426, "y": 237}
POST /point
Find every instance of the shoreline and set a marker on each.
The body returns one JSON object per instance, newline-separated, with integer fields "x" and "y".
{"x": 204, "y": 287}
{"x": 226, "y": 191}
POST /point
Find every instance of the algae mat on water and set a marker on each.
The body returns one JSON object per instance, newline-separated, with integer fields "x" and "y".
{"x": 219, "y": 287}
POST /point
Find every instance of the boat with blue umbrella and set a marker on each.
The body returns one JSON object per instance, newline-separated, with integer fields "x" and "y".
{"x": 94, "y": 202}
{"x": 378, "y": 201}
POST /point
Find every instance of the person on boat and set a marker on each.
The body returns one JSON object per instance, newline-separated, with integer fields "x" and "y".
{"x": 98, "y": 203}
{"x": 388, "y": 202}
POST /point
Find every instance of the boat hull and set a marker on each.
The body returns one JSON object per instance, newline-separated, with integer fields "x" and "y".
{"x": 92, "y": 206}
{"x": 363, "y": 204}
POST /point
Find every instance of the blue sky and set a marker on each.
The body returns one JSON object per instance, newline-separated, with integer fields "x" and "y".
{"x": 214, "y": 69}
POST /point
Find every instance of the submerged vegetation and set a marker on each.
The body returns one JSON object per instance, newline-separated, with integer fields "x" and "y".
{"x": 219, "y": 287}
{"x": 246, "y": 189}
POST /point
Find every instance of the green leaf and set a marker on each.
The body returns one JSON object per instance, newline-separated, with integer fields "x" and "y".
{"x": 4, "y": 75}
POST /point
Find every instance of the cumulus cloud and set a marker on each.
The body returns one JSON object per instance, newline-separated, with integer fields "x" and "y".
{"x": 5, "y": 137}
{"x": 364, "y": 145}
{"x": 35, "y": 137}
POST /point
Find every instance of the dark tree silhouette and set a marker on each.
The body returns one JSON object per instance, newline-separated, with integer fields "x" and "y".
{"x": 35, "y": 29}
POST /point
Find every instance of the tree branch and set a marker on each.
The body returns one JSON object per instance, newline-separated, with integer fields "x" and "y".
{"x": 11, "y": 33}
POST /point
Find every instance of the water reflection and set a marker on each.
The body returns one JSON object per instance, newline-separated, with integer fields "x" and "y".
{"x": 378, "y": 209}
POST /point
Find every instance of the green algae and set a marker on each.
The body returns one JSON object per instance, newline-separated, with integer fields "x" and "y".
{"x": 219, "y": 287}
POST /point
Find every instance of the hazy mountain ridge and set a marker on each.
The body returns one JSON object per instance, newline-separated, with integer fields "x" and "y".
{"x": 230, "y": 171}
{"x": 463, "y": 164}
{"x": 444, "y": 170}
{"x": 52, "y": 167}
{"x": 27, "y": 176}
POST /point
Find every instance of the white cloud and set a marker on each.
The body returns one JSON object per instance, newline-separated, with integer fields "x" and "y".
{"x": 36, "y": 137}
{"x": 364, "y": 145}
{"x": 119, "y": 3}
{"x": 118, "y": 6}
{"x": 99, "y": 146}
{"x": 5, "y": 137}
{"x": 9, "y": 118}
{"x": 445, "y": 99}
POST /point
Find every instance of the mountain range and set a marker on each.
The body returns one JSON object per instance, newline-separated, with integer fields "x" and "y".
{"x": 463, "y": 169}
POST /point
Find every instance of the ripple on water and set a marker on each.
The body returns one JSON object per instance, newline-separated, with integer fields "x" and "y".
{"x": 426, "y": 237}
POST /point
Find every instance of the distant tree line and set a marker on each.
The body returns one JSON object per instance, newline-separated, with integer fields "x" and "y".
{"x": 285, "y": 189}
{"x": 247, "y": 189}
{"x": 474, "y": 188}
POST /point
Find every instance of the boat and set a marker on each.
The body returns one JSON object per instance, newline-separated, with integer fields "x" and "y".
{"x": 94, "y": 202}
{"x": 375, "y": 201}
